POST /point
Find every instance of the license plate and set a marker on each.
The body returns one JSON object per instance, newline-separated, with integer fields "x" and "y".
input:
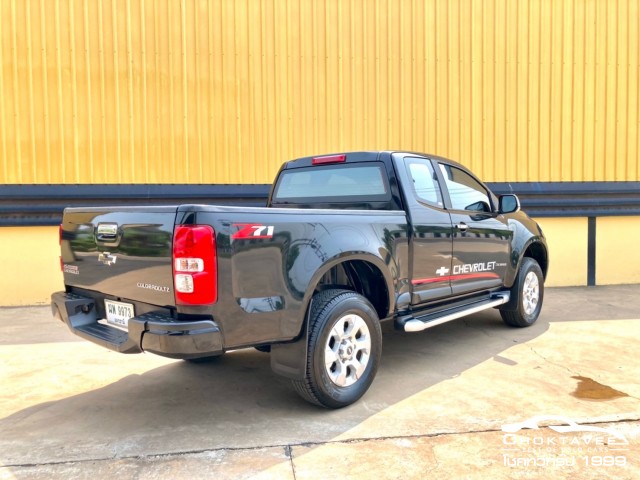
{"x": 118, "y": 313}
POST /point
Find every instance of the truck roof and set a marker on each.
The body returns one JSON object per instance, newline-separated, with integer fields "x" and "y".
{"x": 358, "y": 156}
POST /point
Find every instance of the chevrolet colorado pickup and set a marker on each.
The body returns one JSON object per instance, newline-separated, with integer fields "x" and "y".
{"x": 346, "y": 241}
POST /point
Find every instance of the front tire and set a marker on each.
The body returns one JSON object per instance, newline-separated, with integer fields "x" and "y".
{"x": 345, "y": 344}
{"x": 527, "y": 294}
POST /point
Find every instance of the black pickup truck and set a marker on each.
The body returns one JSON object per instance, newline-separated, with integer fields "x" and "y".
{"x": 346, "y": 241}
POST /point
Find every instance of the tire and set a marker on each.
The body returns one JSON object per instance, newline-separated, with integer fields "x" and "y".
{"x": 345, "y": 344}
{"x": 527, "y": 294}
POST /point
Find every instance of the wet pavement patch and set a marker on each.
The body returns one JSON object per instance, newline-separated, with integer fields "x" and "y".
{"x": 589, "y": 389}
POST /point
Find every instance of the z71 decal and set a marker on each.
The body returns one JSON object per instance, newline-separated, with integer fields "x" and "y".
{"x": 250, "y": 231}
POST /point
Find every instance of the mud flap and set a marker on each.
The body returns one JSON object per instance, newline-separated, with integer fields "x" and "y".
{"x": 290, "y": 359}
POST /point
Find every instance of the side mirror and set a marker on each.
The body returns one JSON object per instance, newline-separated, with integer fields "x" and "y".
{"x": 478, "y": 207}
{"x": 509, "y": 203}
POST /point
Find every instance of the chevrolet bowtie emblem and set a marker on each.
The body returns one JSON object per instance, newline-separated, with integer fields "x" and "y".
{"x": 107, "y": 258}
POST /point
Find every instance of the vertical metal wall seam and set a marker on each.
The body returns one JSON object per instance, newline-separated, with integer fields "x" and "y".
{"x": 579, "y": 118}
{"x": 185, "y": 92}
{"x": 16, "y": 91}
{"x": 605, "y": 78}
{"x": 158, "y": 144}
{"x": 526, "y": 62}
{"x": 133, "y": 160}
{"x": 586, "y": 41}
{"x": 559, "y": 87}
{"x": 144, "y": 97}
{"x": 627, "y": 62}
{"x": 376, "y": 79}
{"x": 74, "y": 93}
{"x": 340, "y": 73}
{"x": 595, "y": 83}
{"x": 196, "y": 92}
{"x": 621, "y": 106}
{"x": 568, "y": 109}
{"x": 236, "y": 65}
{"x": 516, "y": 116}
{"x": 116, "y": 85}
{"x": 33, "y": 175}
{"x": 212, "y": 58}
{"x": 172, "y": 107}
{"x": 103, "y": 122}
{"x": 222, "y": 108}
{"x": 87, "y": 55}
{"x": 356, "y": 126}
{"x": 635, "y": 173}
{"x": 538, "y": 62}
{"x": 477, "y": 161}
{"x": 494, "y": 94}
{"x": 3, "y": 111}
{"x": 61, "y": 126}
{"x": 612, "y": 79}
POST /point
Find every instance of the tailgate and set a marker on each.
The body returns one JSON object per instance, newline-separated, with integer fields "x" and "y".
{"x": 124, "y": 252}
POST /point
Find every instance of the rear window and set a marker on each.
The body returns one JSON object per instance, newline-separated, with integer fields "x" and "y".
{"x": 333, "y": 183}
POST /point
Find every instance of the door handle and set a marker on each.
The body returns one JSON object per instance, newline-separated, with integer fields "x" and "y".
{"x": 462, "y": 227}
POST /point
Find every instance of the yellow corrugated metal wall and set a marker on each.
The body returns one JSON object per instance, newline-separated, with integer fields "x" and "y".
{"x": 223, "y": 91}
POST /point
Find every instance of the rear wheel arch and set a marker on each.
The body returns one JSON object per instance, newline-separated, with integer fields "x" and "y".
{"x": 363, "y": 275}
{"x": 289, "y": 359}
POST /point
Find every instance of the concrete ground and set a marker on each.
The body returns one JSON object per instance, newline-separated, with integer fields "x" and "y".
{"x": 447, "y": 403}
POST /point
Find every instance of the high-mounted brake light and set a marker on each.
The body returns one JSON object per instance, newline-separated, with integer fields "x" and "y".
{"x": 195, "y": 276}
{"x": 329, "y": 159}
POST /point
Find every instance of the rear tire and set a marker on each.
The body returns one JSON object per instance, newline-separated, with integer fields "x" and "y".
{"x": 527, "y": 294}
{"x": 345, "y": 344}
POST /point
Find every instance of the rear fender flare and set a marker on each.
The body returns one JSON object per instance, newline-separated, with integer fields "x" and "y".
{"x": 383, "y": 267}
{"x": 289, "y": 359}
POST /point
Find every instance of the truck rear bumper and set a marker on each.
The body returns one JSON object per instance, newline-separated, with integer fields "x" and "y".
{"x": 150, "y": 332}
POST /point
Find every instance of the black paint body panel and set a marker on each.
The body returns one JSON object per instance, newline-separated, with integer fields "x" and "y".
{"x": 265, "y": 284}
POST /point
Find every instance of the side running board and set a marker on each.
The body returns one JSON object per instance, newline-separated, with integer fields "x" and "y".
{"x": 422, "y": 322}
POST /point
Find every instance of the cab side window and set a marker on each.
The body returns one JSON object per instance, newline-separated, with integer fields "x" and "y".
{"x": 465, "y": 192}
{"x": 425, "y": 181}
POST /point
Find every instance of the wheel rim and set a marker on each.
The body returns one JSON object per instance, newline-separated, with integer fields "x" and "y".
{"x": 347, "y": 351}
{"x": 530, "y": 293}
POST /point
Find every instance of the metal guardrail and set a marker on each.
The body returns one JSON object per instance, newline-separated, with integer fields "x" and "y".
{"x": 30, "y": 205}
{"x": 575, "y": 199}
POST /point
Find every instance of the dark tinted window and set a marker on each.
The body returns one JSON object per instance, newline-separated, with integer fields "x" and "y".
{"x": 466, "y": 192}
{"x": 333, "y": 183}
{"x": 425, "y": 181}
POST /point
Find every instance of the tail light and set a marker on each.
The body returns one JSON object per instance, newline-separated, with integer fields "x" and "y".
{"x": 195, "y": 276}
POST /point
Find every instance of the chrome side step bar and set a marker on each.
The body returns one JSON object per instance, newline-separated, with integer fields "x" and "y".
{"x": 418, "y": 324}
